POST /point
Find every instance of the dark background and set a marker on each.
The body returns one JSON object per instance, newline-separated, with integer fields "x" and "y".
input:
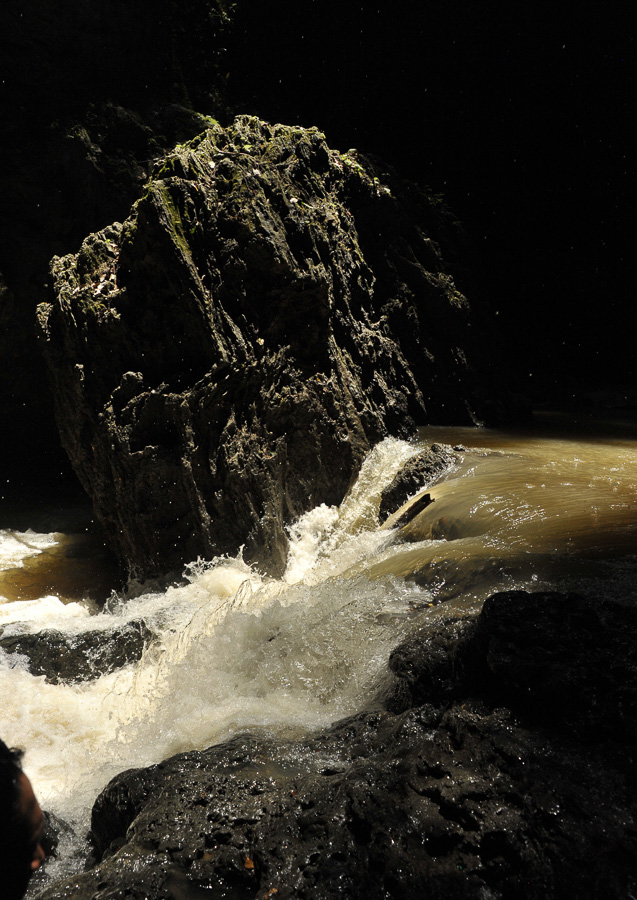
{"x": 520, "y": 114}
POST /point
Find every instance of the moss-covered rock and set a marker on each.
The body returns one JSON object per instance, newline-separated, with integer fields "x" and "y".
{"x": 91, "y": 94}
{"x": 223, "y": 360}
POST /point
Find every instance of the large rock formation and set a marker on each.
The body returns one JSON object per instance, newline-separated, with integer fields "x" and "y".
{"x": 90, "y": 94}
{"x": 223, "y": 360}
{"x": 498, "y": 766}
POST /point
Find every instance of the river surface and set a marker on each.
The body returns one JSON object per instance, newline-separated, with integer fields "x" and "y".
{"x": 552, "y": 506}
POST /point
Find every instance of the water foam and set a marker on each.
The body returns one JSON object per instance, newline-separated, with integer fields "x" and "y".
{"x": 16, "y": 546}
{"x": 234, "y": 650}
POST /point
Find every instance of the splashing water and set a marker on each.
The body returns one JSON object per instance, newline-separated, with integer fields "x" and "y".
{"x": 234, "y": 650}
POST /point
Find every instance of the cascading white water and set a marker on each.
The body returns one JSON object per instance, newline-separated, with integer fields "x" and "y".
{"x": 236, "y": 651}
{"x": 233, "y": 650}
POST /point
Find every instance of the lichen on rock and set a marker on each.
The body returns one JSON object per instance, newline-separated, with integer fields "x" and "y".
{"x": 224, "y": 359}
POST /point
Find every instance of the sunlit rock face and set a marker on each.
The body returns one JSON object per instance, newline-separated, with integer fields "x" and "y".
{"x": 91, "y": 94}
{"x": 223, "y": 360}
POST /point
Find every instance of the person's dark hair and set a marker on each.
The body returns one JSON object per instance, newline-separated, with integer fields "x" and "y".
{"x": 14, "y": 836}
{"x": 10, "y": 769}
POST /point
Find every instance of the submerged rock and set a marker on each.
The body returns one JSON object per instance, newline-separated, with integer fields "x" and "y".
{"x": 441, "y": 791}
{"x": 71, "y": 658}
{"x": 223, "y": 360}
{"x": 418, "y": 473}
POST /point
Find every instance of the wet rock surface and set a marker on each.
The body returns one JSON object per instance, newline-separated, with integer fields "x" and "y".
{"x": 223, "y": 360}
{"x": 417, "y": 474}
{"x": 564, "y": 661}
{"x": 73, "y": 658}
{"x": 455, "y": 785}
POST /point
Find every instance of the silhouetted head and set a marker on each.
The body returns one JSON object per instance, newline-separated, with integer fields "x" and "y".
{"x": 21, "y": 823}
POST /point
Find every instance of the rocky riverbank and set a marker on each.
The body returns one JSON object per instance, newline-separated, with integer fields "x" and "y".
{"x": 498, "y": 763}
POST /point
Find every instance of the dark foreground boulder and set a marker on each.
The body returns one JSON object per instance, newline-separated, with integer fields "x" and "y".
{"x": 564, "y": 661}
{"x": 440, "y": 792}
{"x": 224, "y": 360}
{"x": 70, "y": 658}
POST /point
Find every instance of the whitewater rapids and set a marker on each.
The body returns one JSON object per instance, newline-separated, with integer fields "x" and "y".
{"x": 236, "y": 651}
